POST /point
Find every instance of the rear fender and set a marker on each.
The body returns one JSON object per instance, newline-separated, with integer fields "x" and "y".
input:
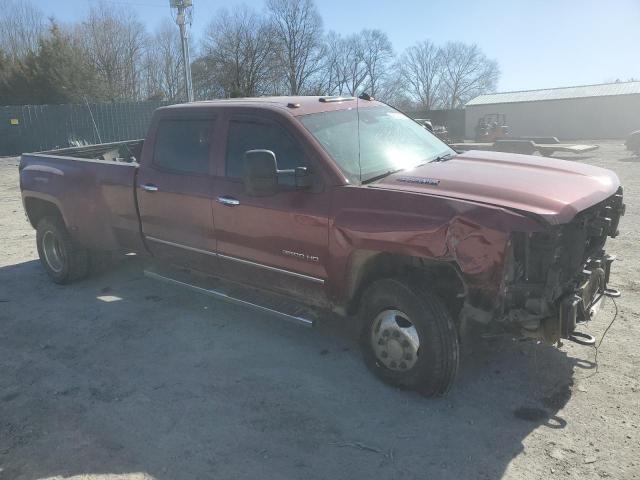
{"x": 38, "y": 205}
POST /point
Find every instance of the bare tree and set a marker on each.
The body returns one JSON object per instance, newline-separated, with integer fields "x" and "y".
{"x": 354, "y": 68}
{"x": 297, "y": 28}
{"x": 342, "y": 71}
{"x": 421, "y": 68}
{"x": 376, "y": 53}
{"x": 331, "y": 78}
{"x": 391, "y": 90}
{"x": 467, "y": 73}
{"x": 21, "y": 27}
{"x": 204, "y": 85}
{"x": 115, "y": 44}
{"x": 111, "y": 56}
{"x": 162, "y": 70}
{"x": 357, "y": 61}
{"x": 239, "y": 46}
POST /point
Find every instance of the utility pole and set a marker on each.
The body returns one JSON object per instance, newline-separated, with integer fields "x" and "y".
{"x": 183, "y": 19}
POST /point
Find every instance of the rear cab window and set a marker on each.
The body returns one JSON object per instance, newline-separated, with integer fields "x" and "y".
{"x": 183, "y": 145}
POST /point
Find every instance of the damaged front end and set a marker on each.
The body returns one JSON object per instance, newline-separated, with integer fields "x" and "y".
{"x": 556, "y": 279}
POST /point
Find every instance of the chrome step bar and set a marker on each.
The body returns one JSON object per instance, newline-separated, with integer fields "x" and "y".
{"x": 305, "y": 322}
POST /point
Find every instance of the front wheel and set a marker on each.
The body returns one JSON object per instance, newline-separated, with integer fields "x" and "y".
{"x": 409, "y": 339}
{"x": 63, "y": 260}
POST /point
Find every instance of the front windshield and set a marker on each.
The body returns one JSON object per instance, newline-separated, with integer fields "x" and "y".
{"x": 389, "y": 140}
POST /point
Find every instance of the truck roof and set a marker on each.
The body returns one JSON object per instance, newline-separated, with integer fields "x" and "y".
{"x": 295, "y": 105}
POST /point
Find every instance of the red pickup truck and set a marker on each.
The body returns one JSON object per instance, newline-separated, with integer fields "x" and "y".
{"x": 300, "y": 206}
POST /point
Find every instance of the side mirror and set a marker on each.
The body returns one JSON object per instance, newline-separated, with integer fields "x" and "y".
{"x": 260, "y": 173}
{"x": 302, "y": 177}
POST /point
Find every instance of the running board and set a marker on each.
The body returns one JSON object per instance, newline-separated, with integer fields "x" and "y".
{"x": 305, "y": 322}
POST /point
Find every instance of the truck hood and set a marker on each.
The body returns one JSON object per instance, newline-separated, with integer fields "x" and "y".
{"x": 553, "y": 189}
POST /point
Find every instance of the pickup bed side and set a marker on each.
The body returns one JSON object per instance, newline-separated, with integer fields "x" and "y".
{"x": 96, "y": 198}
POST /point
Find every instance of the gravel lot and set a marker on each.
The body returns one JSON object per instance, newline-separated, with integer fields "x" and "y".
{"x": 119, "y": 377}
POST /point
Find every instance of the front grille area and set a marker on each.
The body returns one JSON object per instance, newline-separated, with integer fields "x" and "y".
{"x": 549, "y": 264}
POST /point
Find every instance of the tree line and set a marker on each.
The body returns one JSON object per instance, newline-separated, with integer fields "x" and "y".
{"x": 282, "y": 50}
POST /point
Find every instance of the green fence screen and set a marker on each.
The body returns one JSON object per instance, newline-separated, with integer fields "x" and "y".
{"x": 32, "y": 128}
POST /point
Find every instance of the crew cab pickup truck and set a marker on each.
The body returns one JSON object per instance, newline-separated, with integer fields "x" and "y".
{"x": 299, "y": 206}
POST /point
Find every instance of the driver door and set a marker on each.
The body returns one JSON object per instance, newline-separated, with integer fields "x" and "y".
{"x": 279, "y": 242}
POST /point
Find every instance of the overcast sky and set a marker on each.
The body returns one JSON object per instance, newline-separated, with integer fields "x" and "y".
{"x": 538, "y": 44}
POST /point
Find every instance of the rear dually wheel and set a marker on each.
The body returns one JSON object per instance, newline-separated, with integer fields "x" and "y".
{"x": 63, "y": 260}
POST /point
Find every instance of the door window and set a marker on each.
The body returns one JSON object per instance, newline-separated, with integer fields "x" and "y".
{"x": 247, "y": 135}
{"x": 183, "y": 145}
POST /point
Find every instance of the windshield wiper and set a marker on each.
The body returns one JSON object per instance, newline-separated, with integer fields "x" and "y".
{"x": 382, "y": 175}
{"x": 442, "y": 158}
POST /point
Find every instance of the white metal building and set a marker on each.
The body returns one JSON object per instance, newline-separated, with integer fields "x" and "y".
{"x": 610, "y": 110}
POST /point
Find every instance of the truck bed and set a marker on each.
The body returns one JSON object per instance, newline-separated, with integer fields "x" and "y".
{"x": 93, "y": 187}
{"x": 128, "y": 151}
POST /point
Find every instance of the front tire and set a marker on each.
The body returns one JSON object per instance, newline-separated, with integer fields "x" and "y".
{"x": 63, "y": 260}
{"x": 408, "y": 338}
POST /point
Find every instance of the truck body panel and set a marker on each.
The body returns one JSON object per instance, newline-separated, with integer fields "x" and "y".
{"x": 498, "y": 223}
{"x": 96, "y": 198}
{"x": 282, "y": 240}
{"x": 553, "y": 189}
{"x": 469, "y": 236}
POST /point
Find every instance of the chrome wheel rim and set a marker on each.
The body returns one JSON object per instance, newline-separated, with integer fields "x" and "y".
{"x": 53, "y": 252}
{"x": 395, "y": 340}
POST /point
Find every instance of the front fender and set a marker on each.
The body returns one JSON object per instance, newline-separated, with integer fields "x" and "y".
{"x": 474, "y": 237}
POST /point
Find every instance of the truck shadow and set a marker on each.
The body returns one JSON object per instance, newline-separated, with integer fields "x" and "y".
{"x": 119, "y": 374}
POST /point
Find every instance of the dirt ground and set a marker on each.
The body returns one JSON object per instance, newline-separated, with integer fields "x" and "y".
{"x": 119, "y": 377}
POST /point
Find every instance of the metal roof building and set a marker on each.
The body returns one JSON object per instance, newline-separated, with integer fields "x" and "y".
{"x": 609, "y": 110}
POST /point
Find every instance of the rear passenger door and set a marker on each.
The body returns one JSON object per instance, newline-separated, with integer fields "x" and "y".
{"x": 175, "y": 185}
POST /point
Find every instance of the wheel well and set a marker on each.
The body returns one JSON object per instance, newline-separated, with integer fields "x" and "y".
{"x": 37, "y": 208}
{"x": 442, "y": 277}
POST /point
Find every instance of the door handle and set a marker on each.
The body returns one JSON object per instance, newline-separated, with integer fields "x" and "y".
{"x": 228, "y": 201}
{"x": 149, "y": 187}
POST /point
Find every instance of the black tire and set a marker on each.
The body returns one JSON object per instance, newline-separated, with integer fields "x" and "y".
{"x": 437, "y": 358}
{"x": 68, "y": 262}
